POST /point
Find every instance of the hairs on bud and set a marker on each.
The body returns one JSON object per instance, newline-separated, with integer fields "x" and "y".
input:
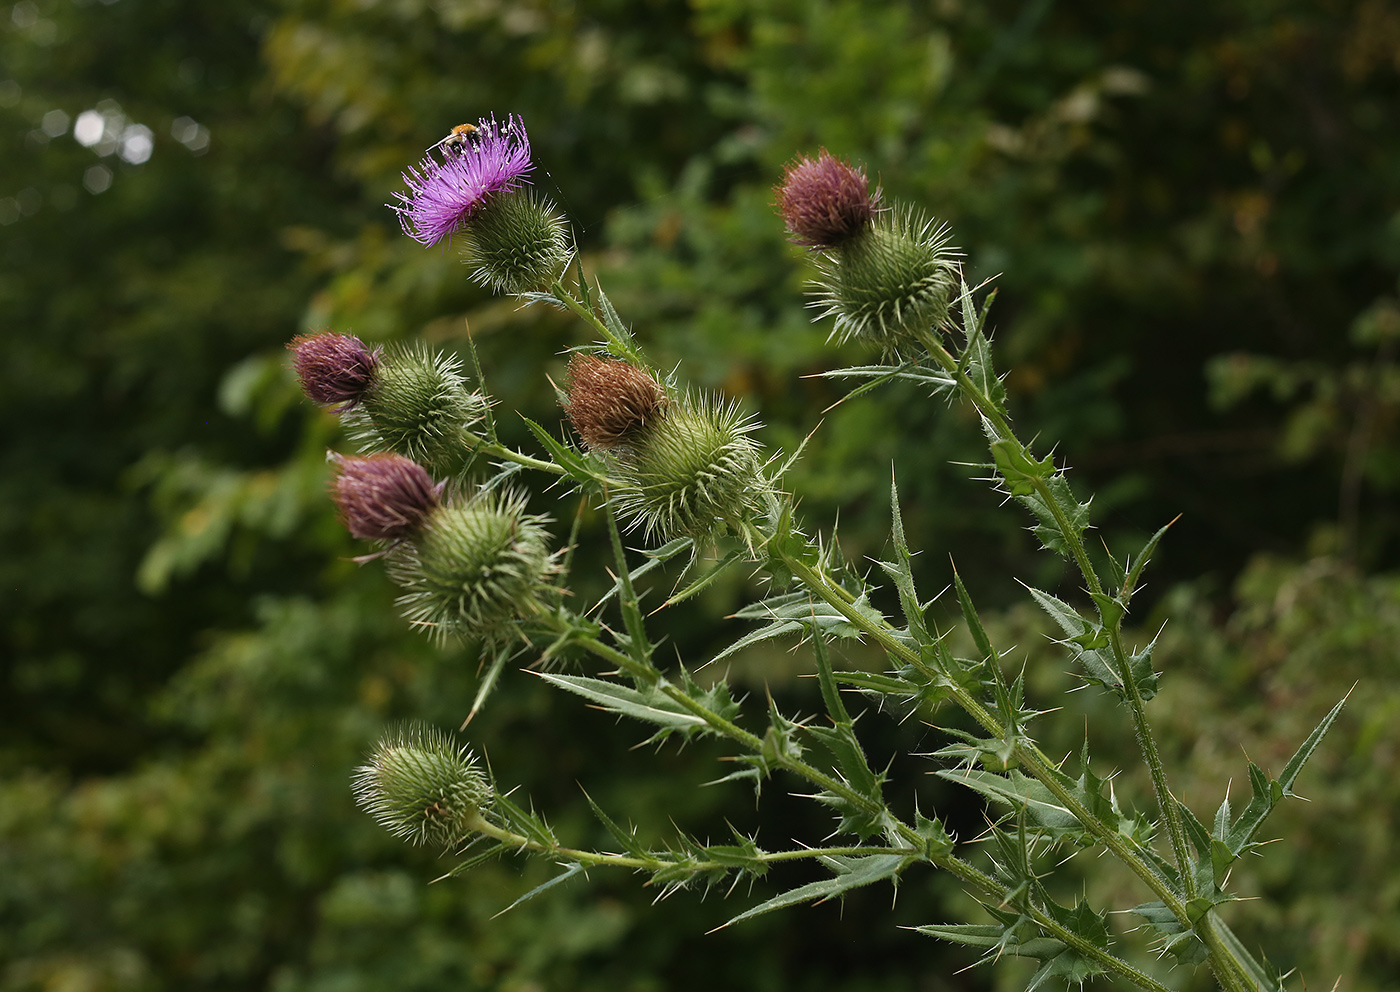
{"x": 610, "y": 402}
{"x": 474, "y": 568}
{"x": 383, "y": 497}
{"x": 422, "y": 786}
{"x": 335, "y": 369}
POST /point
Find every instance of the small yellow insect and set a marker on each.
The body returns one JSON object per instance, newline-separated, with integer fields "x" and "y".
{"x": 459, "y": 139}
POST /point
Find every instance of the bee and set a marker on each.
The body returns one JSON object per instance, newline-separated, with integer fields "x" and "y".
{"x": 459, "y": 139}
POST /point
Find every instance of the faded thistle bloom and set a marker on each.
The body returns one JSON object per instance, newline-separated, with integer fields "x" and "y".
{"x": 610, "y": 402}
{"x": 474, "y": 568}
{"x": 334, "y": 369}
{"x": 419, "y": 405}
{"x": 383, "y": 497}
{"x": 444, "y": 192}
{"x": 825, "y": 201}
{"x": 421, "y": 786}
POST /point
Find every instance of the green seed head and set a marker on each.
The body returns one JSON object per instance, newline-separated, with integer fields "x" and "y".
{"x": 516, "y": 243}
{"x": 420, "y": 407}
{"x": 421, "y": 786}
{"x": 474, "y": 568}
{"x": 693, "y": 469}
{"x": 890, "y": 284}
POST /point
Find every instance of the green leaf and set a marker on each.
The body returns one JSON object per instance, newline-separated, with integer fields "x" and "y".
{"x": 851, "y": 873}
{"x": 706, "y": 580}
{"x": 1178, "y": 940}
{"x": 568, "y": 458}
{"x": 1049, "y": 531}
{"x": 901, "y": 571}
{"x": 1019, "y": 470}
{"x": 1018, "y": 791}
{"x": 569, "y": 872}
{"x": 650, "y": 706}
{"x": 1130, "y": 583}
{"x": 626, "y": 838}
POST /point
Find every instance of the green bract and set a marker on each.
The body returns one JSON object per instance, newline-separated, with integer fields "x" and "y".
{"x": 891, "y": 283}
{"x": 422, "y": 786}
{"x": 475, "y": 568}
{"x": 516, "y": 243}
{"x": 419, "y": 406}
{"x": 692, "y": 469}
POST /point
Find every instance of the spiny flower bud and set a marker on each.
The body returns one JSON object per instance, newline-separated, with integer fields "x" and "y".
{"x": 474, "y": 568}
{"x": 334, "y": 369}
{"x": 516, "y": 243}
{"x": 422, "y": 787}
{"x": 419, "y": 406}
{"x": 610, "y": 401}
{"x": 825, "y": 201}
{"x": 691, "y": 470}
{"x": 891, "y": 284}
{"x": 383, "y": 497}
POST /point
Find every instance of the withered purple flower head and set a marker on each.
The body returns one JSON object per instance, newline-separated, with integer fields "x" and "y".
{"x": 334, "y": 369}
{"x": 383, "y": 497}
{"x": 825, "y": 201}
{"x": 443, "y": 194}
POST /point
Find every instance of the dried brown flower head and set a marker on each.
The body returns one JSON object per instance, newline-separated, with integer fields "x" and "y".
{"x": 610, "y": 401}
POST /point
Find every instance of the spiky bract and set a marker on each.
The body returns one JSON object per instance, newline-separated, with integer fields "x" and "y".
{"x": 422, "y": 786}
{"x": 516, "y": 243}
{"x": 892, "y": 283}
{"x": 611, "y": 402}
{"x": 383, "y": 497}
{"x": 474, "y": 568}
{"x": 694, "y": 469}
{"x": 419, "y": 406}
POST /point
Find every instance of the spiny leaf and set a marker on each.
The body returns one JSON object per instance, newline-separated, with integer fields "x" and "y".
{"x": 569, "y": 872}
{"x": 651, "y": 706}
{"x": 852, "y": 873}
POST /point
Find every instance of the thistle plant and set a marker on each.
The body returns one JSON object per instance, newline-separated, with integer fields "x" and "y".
{"x": 683, "y": 474}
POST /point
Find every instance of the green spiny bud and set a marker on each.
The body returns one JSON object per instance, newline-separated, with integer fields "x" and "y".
{"x": 419, "y": 406}
{"x": 516, "y": 243}
{"x": 421, "y": 786}
{"x": 891, "y": 283}
{"x": 473, "y": 569}
{"x": 691, "y": 469}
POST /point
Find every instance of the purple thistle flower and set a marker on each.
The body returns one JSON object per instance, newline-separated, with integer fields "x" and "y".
{"x": 825, "y": 201}
{"x": 442, "y": 195}
{"x": 334, "y": 369}
{"x": 383, "y": 497}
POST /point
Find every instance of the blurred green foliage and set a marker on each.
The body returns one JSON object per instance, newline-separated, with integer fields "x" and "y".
{"x": 191, "y": 665}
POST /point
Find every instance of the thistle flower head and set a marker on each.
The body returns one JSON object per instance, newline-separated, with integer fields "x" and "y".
{"x": 420, "y": 406}
{"x": 692, "y": 470}
{"x": 610, "y": 401}
{"x": 825, "y": 201}
{"x": 444, "y": 192}
{"x": 383, "y": 497}
{"x": 474, "y": 568}
{"x": 334, "y": 369}
{"x": 421, "y": 786}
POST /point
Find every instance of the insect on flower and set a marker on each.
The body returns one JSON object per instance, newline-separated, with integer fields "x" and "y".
{"x": 459, "y": 139}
